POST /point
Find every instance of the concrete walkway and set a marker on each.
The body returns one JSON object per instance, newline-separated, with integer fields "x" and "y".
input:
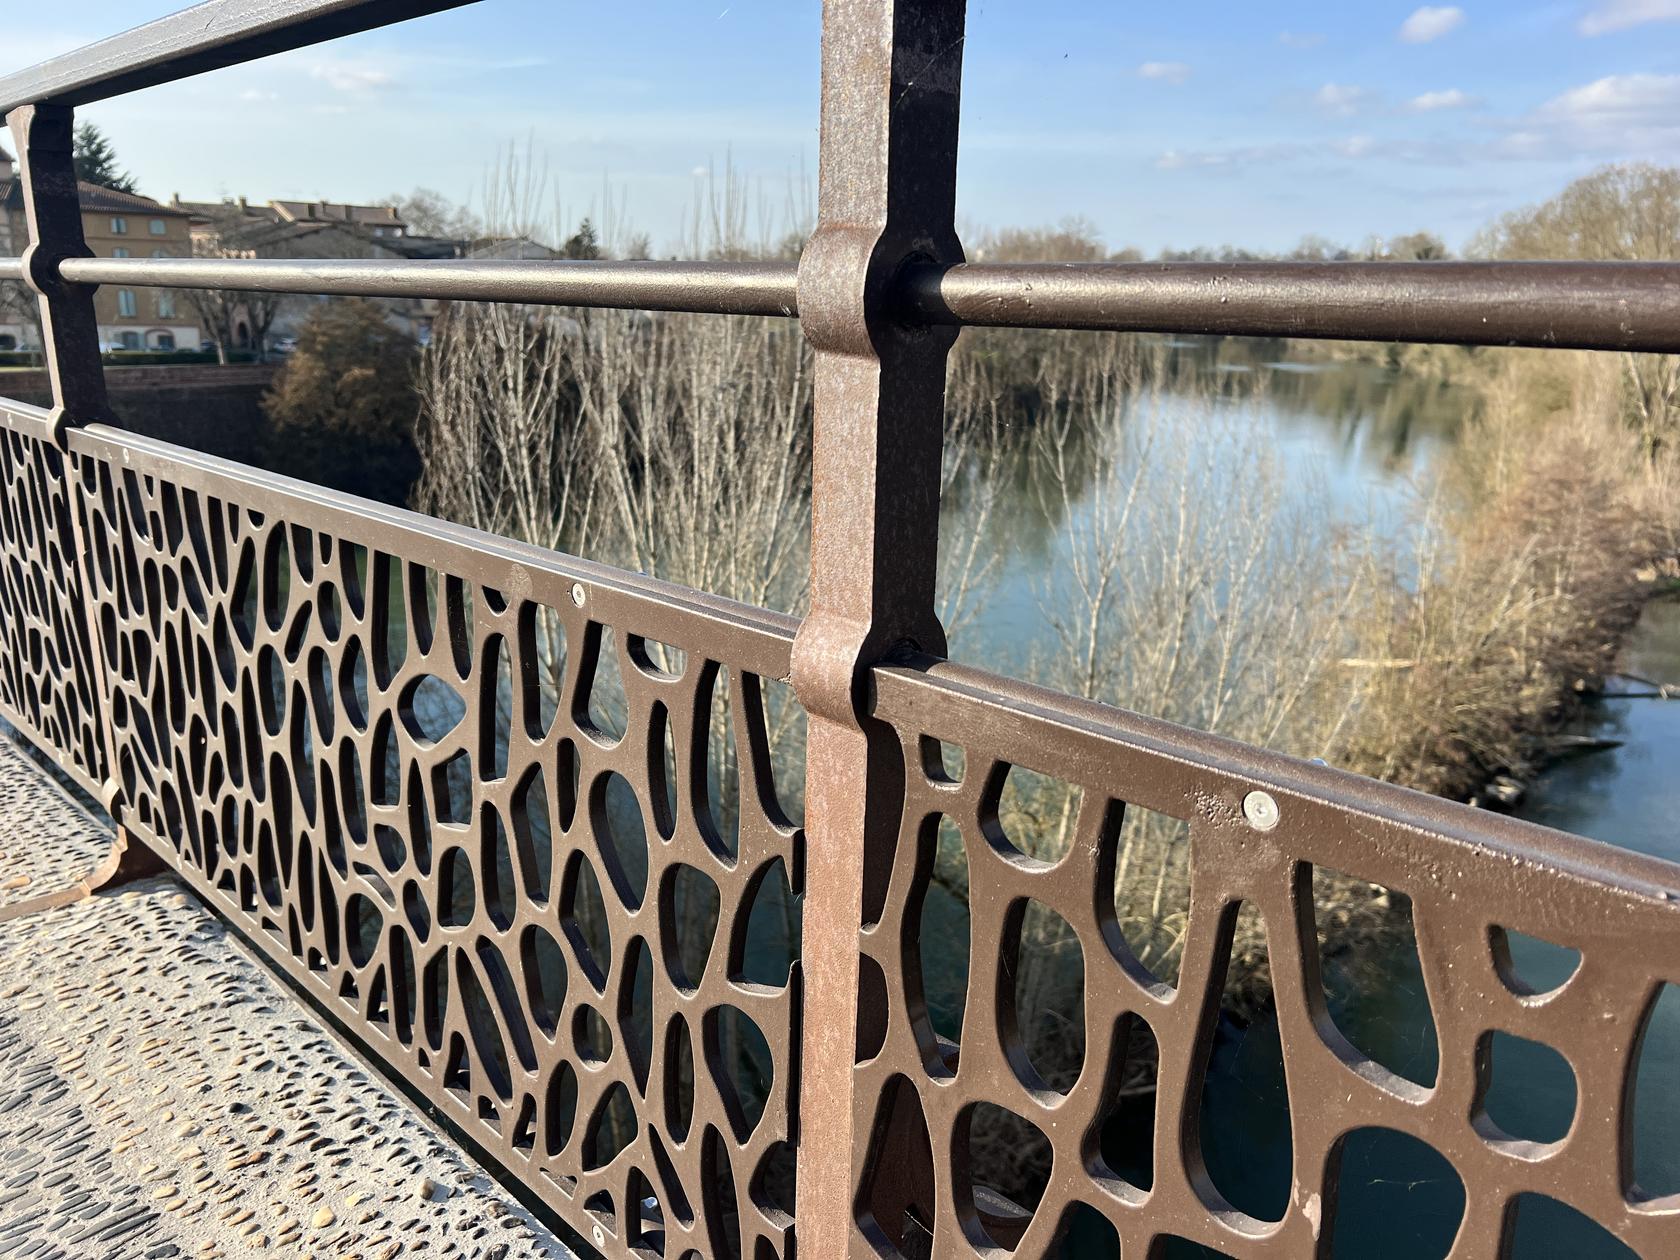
{"x": 161, "y": 1095}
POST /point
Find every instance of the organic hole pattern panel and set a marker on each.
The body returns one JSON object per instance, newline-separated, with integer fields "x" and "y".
{"x": 999, "y": 1141}
{"x": 368, "y": 738}
{"x": 48, "y": 683}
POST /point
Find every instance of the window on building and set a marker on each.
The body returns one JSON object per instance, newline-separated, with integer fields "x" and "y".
{"x": 121, "y": 251}
{"x": 163, "y": 341}
{"x": 119, "y": 227}
{"x": 7, "y": 342}
{"x": 160, "y": 252}
{"x": 165, "y": 304}
{"x": 157, "y": 228}
{"x": 128, "y": 341}
{"x": 125, "y": 303}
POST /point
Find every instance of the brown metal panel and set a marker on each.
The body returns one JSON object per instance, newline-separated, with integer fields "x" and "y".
{"x": 49, "y": 676}
{"x": 1470, "y": 876}
{"x": 334, "y": 718}
{"x": 886, "y": 195}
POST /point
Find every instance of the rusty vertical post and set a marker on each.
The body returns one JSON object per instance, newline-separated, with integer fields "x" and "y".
{"x": 53, "y": 209}
{"x": 891, "y": 83}
{"x": 70, "y": 341}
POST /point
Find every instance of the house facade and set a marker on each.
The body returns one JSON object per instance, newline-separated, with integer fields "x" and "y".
{"x": 115, "y": 225}
{"x": 237, "y": 227}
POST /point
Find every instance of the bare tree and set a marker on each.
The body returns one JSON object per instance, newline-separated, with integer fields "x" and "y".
{"x": 428, "y": 212}
{"x": 1074, "y": 239}
{"x": 19, "y": 304}
{"x": 222, "y": 312}
{"x": 1625, "y": 213}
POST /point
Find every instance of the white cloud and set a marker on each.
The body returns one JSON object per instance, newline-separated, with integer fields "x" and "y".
{"x": 1174, "y": 72}
{"x": 1451, "y": 98}
{"x": 1353, "y": 148}
{"x": 1620, "y": 116}
{"x": 1430, "y": 23}
{"x": 1619, "y": 15}
{"x": 1617, "y": 99}
{"x": 256, "y": 94}
{"x": 1341, "y": 98}
{"x": 352, "y": 76}
{"x": 1210, "y": 159}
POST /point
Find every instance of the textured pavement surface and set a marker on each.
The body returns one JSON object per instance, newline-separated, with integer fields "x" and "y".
{"x": 46, "y": 844}
{"x": 161, "y": 1095}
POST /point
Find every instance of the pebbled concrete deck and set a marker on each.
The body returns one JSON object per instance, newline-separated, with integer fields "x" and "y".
{"x": 46, "y": 843}
{"x": 162, "y": 1096}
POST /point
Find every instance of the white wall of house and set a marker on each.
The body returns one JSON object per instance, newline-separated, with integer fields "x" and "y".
{"x": 150, "y": 337}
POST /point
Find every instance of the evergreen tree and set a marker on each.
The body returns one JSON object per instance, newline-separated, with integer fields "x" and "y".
{"x": 583, "y": 243}
{"x": 96, "y": 160}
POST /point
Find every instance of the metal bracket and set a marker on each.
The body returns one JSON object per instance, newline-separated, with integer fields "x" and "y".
{"x": 126, "y": 861}
{"x": 53, "y": 209}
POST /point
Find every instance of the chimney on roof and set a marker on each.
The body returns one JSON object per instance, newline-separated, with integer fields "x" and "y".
{"x": 243, "y": 207}
{"x": 5, "y": 164}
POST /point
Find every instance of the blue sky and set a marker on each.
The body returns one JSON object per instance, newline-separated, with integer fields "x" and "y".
{"x": 1164, "y": 125}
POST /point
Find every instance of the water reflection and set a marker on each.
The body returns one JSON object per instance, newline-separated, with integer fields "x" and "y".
{"x": 1351, "y": 438}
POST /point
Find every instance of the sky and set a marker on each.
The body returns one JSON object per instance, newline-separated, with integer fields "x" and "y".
{"x": 1163, "y": 125}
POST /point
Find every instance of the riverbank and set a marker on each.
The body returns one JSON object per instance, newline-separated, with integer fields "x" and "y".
{"x": 1551, "y": 527}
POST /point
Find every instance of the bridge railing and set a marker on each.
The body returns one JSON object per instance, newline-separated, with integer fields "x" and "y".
{"x": 328, "y": 717}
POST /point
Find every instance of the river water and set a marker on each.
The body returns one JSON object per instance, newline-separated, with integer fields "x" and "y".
{"x": 1363, "y": 436}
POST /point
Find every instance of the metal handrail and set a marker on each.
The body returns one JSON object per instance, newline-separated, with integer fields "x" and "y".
{"x": 1552, "y": 305}
{"x": 205, "y": 37}
{"x": 723, "y": 288}
{"x": 1557, "y": 305}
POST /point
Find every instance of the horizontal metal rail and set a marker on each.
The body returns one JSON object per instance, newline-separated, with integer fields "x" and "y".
{"x": 724, "y": 288}
{"x": 1553, "y": 305}
{"x": 1100, "y": 743}
{"x": 11, "y": 269}
{"x": 205, "y": 37}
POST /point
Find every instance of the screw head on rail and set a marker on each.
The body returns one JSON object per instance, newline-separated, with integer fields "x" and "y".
{"x": 578, "y": 594}
{"x": 1260, "y": 810}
